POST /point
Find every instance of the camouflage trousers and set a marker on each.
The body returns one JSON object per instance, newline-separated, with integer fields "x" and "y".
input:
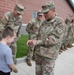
{"x": 70, "y": 41}
{"x": 0, "y": 36}
{"x": 44, "y": 66}
{"x": 13, "y": 46}
{"x": 30, "y": 52}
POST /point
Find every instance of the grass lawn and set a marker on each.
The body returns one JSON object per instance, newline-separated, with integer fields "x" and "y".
{"x": 22, "y": 48}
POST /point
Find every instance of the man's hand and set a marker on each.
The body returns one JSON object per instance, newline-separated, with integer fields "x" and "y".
{"x": 29, "y": 42}
{"x": 32, "y": 42}
{"x": 13, "y": 68}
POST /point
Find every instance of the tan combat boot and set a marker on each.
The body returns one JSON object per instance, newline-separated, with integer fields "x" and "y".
{"x": 65, "y": 47}
{"x": 28, "y": 62}
{"x": 69, "y": 45}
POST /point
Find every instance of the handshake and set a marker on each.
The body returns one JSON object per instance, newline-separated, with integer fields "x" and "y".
{"x": 31, "y": 42}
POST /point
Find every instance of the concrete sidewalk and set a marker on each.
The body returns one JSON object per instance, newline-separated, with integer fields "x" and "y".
{"x": 23, "y": 68}
{"x": 64, "y": 65}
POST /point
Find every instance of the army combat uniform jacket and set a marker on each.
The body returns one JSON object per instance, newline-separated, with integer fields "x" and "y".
{"x": 50, "y": 38}
{"x": 9, "y": 20}
{"x": 32, "y": 28}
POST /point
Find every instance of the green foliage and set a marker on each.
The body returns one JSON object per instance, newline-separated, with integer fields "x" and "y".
{"x": 22, "y": 48}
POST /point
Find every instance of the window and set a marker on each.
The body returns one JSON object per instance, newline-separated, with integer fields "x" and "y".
{"x": 34, "y": 14}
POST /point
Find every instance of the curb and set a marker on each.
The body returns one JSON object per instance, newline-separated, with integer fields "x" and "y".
{"x": 20, "y": 60}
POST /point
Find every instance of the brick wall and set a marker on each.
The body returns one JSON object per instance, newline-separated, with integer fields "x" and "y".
{"x": 62, "y": 7}
{"x": 31, "y": 5}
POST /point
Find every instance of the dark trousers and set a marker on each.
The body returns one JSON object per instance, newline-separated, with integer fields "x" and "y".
{"x": 3, "y": 73}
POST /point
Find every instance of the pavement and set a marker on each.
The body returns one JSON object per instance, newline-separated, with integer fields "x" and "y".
{"x": 64, "y": 64}
{"x": 23, "y": 68}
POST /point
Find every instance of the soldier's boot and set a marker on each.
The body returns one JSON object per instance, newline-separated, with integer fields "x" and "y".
{"x": 72, "y": 45}
{"x": 69, "y": 45}
{"x": 28, "y": 62}
{"x": 60, "y": 51}
{"x": 62, "y": 47}
{"x": 65, "y": 47}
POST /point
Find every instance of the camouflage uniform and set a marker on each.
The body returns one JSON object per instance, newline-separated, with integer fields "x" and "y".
{"x": 64, "y": 44}
{"x": 32, "y": 29}
{"x": 49, "y": 40}
{"x": 73, "y": 35}
{"x": 15, "y": 23}
{"x": 73, "y": 29}
{"x": 1, "y": 29}
{"x": 70, "y": 35}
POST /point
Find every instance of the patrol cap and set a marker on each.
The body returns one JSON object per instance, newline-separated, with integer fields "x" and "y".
{"x": 39, "y": 12}
{"x": 20, "y": 8}
{"x": 48, "y": 6}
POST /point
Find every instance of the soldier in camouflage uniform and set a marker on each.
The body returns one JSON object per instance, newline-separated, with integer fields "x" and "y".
{"x": 73, "y": 29}
{"x": 32, "y": 29}
{"x": 70, "y": 34}
{"x": 69, "y": 37}
{"x": 64, "y": 44}
{"x": 49, "y": 40}
{"x": 14, "y": 20}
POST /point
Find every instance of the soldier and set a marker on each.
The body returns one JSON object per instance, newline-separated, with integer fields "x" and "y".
{"x": 70, "y": 34}
{"x": 49, "y": 40}
{"x": 69, "y": 37}
{"x": 14, "y": 20}
{"x": 32, "y": 29}
{"x": 64, "y": 44}
{"x": 73, "y": 29}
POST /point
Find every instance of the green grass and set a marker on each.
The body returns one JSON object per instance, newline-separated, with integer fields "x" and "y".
{"x": 22, "y": 48}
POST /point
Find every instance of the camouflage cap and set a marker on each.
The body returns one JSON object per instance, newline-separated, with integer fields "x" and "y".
{"x": 39, "y": 12}
{"x": 20, "y": 8}
{"x": 48, "y": 6}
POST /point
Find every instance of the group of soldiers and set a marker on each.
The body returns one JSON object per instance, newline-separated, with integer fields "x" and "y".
{"x": 47, "y": 38}
{"x": 32, "y": 30}
{"x": 69, "y": 39}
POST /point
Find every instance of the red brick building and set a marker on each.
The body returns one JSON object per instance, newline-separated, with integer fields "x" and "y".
{"x": 62, "y": 7}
